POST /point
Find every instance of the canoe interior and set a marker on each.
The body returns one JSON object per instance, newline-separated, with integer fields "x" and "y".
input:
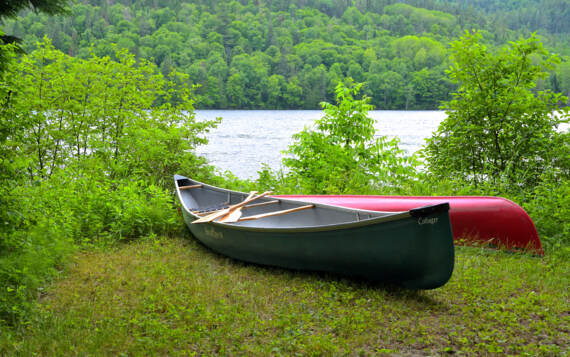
{"x": 210, "y": 197}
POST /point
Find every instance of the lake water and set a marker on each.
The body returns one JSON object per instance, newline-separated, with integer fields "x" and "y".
{"x": 248, "y": 138}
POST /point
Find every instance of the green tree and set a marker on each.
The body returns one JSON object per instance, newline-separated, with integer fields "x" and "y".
{"x": 314, "y": 82}
{"x": 343, "y": 155}
{"x": 497, "y": 131}
{"x": 391, "y": 85}
{"x": 355, "y": 71}
{"x": 276, "y": 86}
{"x": 429, "y": 88}
{"x": 293, "y": 94}
{"x": 71, "y": 109}
{"x": 562, "y": 76}
{"x": 248, "y": 79}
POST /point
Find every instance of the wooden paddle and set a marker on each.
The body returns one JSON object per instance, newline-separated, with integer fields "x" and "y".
{"x": 276, "y": 213}
{"x": 223, "y": 212}
{"x": 234, "y": 215}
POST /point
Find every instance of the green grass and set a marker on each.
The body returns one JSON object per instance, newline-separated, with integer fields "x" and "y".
{"x": 165, "y": 296}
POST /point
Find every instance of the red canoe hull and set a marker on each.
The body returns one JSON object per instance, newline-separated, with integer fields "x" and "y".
{"x": 491, "y": 220}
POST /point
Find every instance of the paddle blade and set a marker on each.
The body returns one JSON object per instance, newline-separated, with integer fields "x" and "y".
{"x": 232, "y": 216}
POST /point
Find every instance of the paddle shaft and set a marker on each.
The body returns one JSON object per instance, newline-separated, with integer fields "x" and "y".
{"x": 235, "y": 214}
{"x": 253, "y": 205}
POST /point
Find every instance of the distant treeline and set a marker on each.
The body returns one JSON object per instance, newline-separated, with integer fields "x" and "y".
{"x": 292, "y": 53}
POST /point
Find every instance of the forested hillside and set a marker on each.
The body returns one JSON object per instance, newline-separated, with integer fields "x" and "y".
{"x": 291, "y": 53}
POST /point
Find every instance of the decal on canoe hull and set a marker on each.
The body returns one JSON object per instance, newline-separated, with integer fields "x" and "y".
{"x": 211, "y": 232}
{"x": 427, "y": 220}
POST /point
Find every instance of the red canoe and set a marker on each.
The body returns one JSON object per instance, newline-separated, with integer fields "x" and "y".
{"x": 491, "y": 220}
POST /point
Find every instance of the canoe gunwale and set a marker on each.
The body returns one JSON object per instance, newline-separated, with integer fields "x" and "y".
{"x": 391, "y": 216}
{"x": 292, "y": 201}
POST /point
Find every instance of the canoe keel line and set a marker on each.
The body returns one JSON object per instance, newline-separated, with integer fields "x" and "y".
{"x": 412, "y": 248}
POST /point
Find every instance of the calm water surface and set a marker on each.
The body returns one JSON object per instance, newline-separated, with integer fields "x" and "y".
{"x": 248, "y": 138}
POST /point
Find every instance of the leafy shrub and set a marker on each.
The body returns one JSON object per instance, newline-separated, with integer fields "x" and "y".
{"x": 72, "y": 209}
{"x": 124, "y": 112}
{"x": 549, "y": 208}
{"x": 91, "y": 146}
{"x": 342, "y": 155}
{"x": 500, "y": 136}
{"x": 497, "y": 130}
{"x": 28, "y": 257}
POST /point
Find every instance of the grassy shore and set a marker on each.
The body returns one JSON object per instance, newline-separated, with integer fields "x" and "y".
{"x": 172, "y": 296}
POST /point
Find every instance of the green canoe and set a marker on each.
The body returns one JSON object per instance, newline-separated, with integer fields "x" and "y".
{"x": 413, "y": 249}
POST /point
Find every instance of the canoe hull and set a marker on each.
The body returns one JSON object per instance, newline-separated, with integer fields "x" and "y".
{"x": 494, "y": 221}
{"x": 414, "y": 251}
{"x": 409, "y": 257}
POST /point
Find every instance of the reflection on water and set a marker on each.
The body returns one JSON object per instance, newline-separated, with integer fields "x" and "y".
{"x": 248, "y": 138}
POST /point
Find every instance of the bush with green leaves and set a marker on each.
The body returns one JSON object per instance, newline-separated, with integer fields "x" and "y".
{"x": 499, "y": 131}
{"x": 10, "y": 162}
{"x": 90, "y": 149}
{"x": 124, "y": 112}
{"x": 76, "y": 207}
{"x": 501, "y": 134}
{"x": 549, "y": 208}
{"x": 342, "y": 154}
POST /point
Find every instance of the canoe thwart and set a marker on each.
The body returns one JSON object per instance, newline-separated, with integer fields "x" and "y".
{"x": 276, "y": 213}
{"x": 261, "y": 204}
{"x": 189, "y": 187}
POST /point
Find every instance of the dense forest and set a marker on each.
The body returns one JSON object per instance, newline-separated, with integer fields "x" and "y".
{"x": 291, "y": 53}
